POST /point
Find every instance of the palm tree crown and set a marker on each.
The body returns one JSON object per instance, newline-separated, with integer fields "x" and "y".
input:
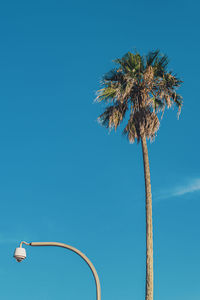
{"x": 143, "y": 86}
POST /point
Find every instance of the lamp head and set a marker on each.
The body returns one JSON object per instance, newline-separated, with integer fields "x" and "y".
{"x": 20, "y": 254}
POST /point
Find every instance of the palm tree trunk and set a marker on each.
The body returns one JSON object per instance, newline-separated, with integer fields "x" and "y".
{"x": 149, "y": 226}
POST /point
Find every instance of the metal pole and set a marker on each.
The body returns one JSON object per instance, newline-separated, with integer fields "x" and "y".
{"x": 83, "y": 256}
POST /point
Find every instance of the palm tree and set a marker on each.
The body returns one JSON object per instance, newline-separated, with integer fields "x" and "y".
{"x": 137, "y": 91}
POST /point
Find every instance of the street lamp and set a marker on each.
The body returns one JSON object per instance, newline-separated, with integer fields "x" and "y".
{"x": 20, "y": 254}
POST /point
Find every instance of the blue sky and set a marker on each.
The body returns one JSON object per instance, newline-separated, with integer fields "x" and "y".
{"x": 64, "y": 178}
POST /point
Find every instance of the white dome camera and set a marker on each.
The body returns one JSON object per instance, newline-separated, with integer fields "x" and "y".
{"x": 20, "y": 254}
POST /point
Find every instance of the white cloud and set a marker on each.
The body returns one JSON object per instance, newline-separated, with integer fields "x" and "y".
{"x": 189, "y": 187}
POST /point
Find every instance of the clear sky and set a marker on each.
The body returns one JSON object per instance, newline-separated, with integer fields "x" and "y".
{"x": 64, "y": 178}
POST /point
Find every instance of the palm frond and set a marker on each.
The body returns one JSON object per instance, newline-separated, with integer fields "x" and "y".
{"x": 178, "y": 100}
{"x": 130, "y": 62}
{"x": 160, "y": 65}
{"x": 113, "y": 116}
{"x": 151, "y": 56}
{"x": 158, "y": 105}
{"x": 130, "y": 130}
{"x": 113, "y": 75}
{"x": 106, "y": 94}
{"x": 143, "y": 122}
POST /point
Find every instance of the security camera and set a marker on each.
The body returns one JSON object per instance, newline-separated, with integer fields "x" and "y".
{"x": 20, "y": 254}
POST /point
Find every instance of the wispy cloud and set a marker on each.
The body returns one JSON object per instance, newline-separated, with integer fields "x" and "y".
{"x": 180, "y": 190}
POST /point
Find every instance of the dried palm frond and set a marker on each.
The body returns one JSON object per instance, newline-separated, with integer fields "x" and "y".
{"x": 143, "y": 122}
{"x": 113, "y": 115}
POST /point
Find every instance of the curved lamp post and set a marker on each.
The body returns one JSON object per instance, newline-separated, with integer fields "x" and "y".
{"x": 20, "y": 254}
